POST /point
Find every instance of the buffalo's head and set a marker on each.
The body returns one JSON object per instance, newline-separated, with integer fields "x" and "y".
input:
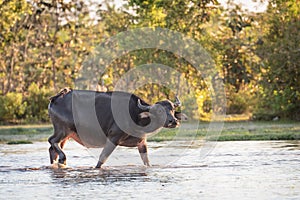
{"x": 161, "y": 113}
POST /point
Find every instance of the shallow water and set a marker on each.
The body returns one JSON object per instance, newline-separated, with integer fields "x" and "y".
{"x": 232, "y": 170}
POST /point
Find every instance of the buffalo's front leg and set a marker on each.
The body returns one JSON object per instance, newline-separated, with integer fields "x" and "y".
{"x": 108, "y": 149}
{"x": 142, "y": 147}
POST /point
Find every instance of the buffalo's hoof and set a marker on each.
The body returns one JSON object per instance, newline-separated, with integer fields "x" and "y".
{"x": 54, "y": 165}
{"x": 64, "y": 162}
{"x": 99, "y": 164}
{"x": 62, "y": 166}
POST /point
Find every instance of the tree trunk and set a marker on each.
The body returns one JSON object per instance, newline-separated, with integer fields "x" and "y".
{"x": 10, "y": 71}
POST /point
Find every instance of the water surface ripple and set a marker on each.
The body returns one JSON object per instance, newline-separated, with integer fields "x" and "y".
{"x": 233, "y": 170}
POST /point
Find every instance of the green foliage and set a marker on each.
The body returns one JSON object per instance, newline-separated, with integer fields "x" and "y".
{"x": 43, "y": 45}
{"x": 280, "y": 91}
{"x": 12, "y": 107}
{"x": 236, "y": 104}
{"x": 37, "y": 101}
{"x": 241, "y": 102}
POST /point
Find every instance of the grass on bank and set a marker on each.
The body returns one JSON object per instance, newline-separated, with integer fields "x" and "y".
{"x": 24, "y": 134}
{"x": 234, "y": 131}
{"x": 231, "y": 131}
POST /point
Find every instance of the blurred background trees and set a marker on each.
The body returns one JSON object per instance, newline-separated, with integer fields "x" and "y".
{"x": 43, "y": 44}
{"x": 280, "y": 51}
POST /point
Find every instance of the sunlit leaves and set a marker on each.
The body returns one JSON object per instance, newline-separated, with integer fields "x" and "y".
{"x": 280, "y": 52}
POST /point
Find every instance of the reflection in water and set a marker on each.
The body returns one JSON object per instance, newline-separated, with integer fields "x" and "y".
{"x": 103, "y": 176}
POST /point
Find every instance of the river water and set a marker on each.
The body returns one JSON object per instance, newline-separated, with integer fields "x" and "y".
{"x": 232, "y": 170}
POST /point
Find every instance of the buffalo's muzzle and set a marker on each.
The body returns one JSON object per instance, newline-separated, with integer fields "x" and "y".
{"x": 172, "y": 123}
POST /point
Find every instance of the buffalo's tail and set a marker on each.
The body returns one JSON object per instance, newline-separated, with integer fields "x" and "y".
{"x": 62, "y": 92}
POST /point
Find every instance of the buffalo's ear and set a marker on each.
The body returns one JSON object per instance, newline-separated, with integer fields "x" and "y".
{"x": 144, "y": 115}
{"x": 181, "y": 116}
{"x": 144, "y": 118}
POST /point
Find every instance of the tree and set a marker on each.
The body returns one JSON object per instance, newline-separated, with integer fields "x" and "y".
{"x": 280, "y": 51}
{"x": 43, "y": 42}
{"x": 14, "y": 16}
{"x": 186, "y": 17}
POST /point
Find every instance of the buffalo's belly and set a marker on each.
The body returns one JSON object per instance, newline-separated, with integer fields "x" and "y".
{"x": 131, "y": 141}
{"x": 91, "y": 139}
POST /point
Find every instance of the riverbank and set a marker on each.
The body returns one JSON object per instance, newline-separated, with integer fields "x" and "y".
{"x": 236, "y": 131}
{"x": 231, "y": 131}
{"x": 25, "y": 134}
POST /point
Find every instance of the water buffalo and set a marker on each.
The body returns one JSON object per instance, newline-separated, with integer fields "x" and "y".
{"x": 106, "y": 119}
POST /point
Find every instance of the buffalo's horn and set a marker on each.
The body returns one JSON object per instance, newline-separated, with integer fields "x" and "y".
{"x": 143, "y": 107}
{"x": 177, "y": 102}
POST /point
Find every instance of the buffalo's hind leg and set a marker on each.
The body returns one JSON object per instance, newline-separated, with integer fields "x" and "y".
{"x": 55, "y": 149}
{"x": 53, "y": 155}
